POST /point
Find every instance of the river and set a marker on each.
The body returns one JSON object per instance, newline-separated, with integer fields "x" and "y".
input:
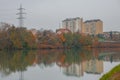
{"x": 75, "y": 64}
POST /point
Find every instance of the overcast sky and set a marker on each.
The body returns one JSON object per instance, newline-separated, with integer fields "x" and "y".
{"x": 48, "y": 14}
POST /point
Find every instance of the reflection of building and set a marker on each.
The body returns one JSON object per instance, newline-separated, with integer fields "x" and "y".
{"x": 112, "y": 57}
{"x": 94, "y": 66}
{"x": 74, "y": 70}
{"x": 73, "y": 24}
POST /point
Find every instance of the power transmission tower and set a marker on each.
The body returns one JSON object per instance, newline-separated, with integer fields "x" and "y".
{"x": 21, "y": 24}
{"x": 21, "y": 18}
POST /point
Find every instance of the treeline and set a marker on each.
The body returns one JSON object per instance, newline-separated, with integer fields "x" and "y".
{"x": 77, "y": 40}
{"x": 12, "y": 37}
{"x": 50, "y": 39}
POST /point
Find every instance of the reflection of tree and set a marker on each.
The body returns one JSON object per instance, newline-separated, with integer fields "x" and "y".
{"x": 15, "y": 61}
{"x": 77, "y": 60}
{"x": 48, "y": 57}
{"x": 62, "y": 57}
{"x": 4, "y": 62}
{"x": 77, "y": 55}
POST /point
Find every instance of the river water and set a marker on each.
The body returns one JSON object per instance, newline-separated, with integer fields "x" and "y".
{"x": 75, "y": 64}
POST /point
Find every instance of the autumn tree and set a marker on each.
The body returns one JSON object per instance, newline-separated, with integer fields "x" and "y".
{"x": 12, "y": 37}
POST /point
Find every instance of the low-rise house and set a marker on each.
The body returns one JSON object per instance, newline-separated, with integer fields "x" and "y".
{"x": 62, "y": 30}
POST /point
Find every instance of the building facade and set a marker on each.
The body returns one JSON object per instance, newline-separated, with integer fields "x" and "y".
{"x": 93, "y": 27}
{"x": 73, "y": 24}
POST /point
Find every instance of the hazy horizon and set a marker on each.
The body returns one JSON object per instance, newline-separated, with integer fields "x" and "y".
{"x": 47, "y": 14}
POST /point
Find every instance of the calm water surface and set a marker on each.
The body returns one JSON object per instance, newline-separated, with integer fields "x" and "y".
{"x": 74, "y": 64}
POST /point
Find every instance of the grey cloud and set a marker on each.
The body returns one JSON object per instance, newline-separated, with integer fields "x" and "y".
{"x": 49, "y": 13}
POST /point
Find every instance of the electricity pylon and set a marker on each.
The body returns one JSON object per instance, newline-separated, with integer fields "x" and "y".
{"x": 21, "y": 18}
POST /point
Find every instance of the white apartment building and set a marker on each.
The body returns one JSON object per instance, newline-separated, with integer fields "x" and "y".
{"x": 73, "y": 24}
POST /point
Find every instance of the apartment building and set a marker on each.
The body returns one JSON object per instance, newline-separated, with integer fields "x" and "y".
{"x": 93, "y": 27}
{"x": 73, "y": 24}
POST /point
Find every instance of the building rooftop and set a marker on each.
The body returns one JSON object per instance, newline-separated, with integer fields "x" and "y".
{"x": 62, "y": 30}
{"x": 94, "y": 20}
{"x": 69, "y": 19}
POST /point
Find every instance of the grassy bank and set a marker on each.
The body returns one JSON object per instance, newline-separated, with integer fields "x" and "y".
{"x": 114, "y": 74}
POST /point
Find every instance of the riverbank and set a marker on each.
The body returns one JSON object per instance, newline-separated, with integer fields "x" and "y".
{"x": 103, "y": 45}
{"x": 107, "y": 44}
{"x": 114, "y": 74}
{"x": 99, "y": 45}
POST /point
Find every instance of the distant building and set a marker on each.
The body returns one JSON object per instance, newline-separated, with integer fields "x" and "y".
{"x": 61, "y": 31}
{"x": 93, "y": 27}
{"x": 112, "y": 35}
{"x": 73, "y": 24}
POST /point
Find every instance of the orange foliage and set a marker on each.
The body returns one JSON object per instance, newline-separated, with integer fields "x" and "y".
{"x": 61, "y": 36}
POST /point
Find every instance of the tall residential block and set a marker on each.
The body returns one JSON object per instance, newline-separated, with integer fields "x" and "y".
{"x": 93, "y": 27}
{"x": 73, "y": 24}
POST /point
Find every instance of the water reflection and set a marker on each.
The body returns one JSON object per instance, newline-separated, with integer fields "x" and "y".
{"x": 84, "y": 61}
{"x": 15, "y": 61}
{"x": 72, "y": 62}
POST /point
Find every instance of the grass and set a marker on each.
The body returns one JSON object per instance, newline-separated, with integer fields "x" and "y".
{"x": 110, "y": 74}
